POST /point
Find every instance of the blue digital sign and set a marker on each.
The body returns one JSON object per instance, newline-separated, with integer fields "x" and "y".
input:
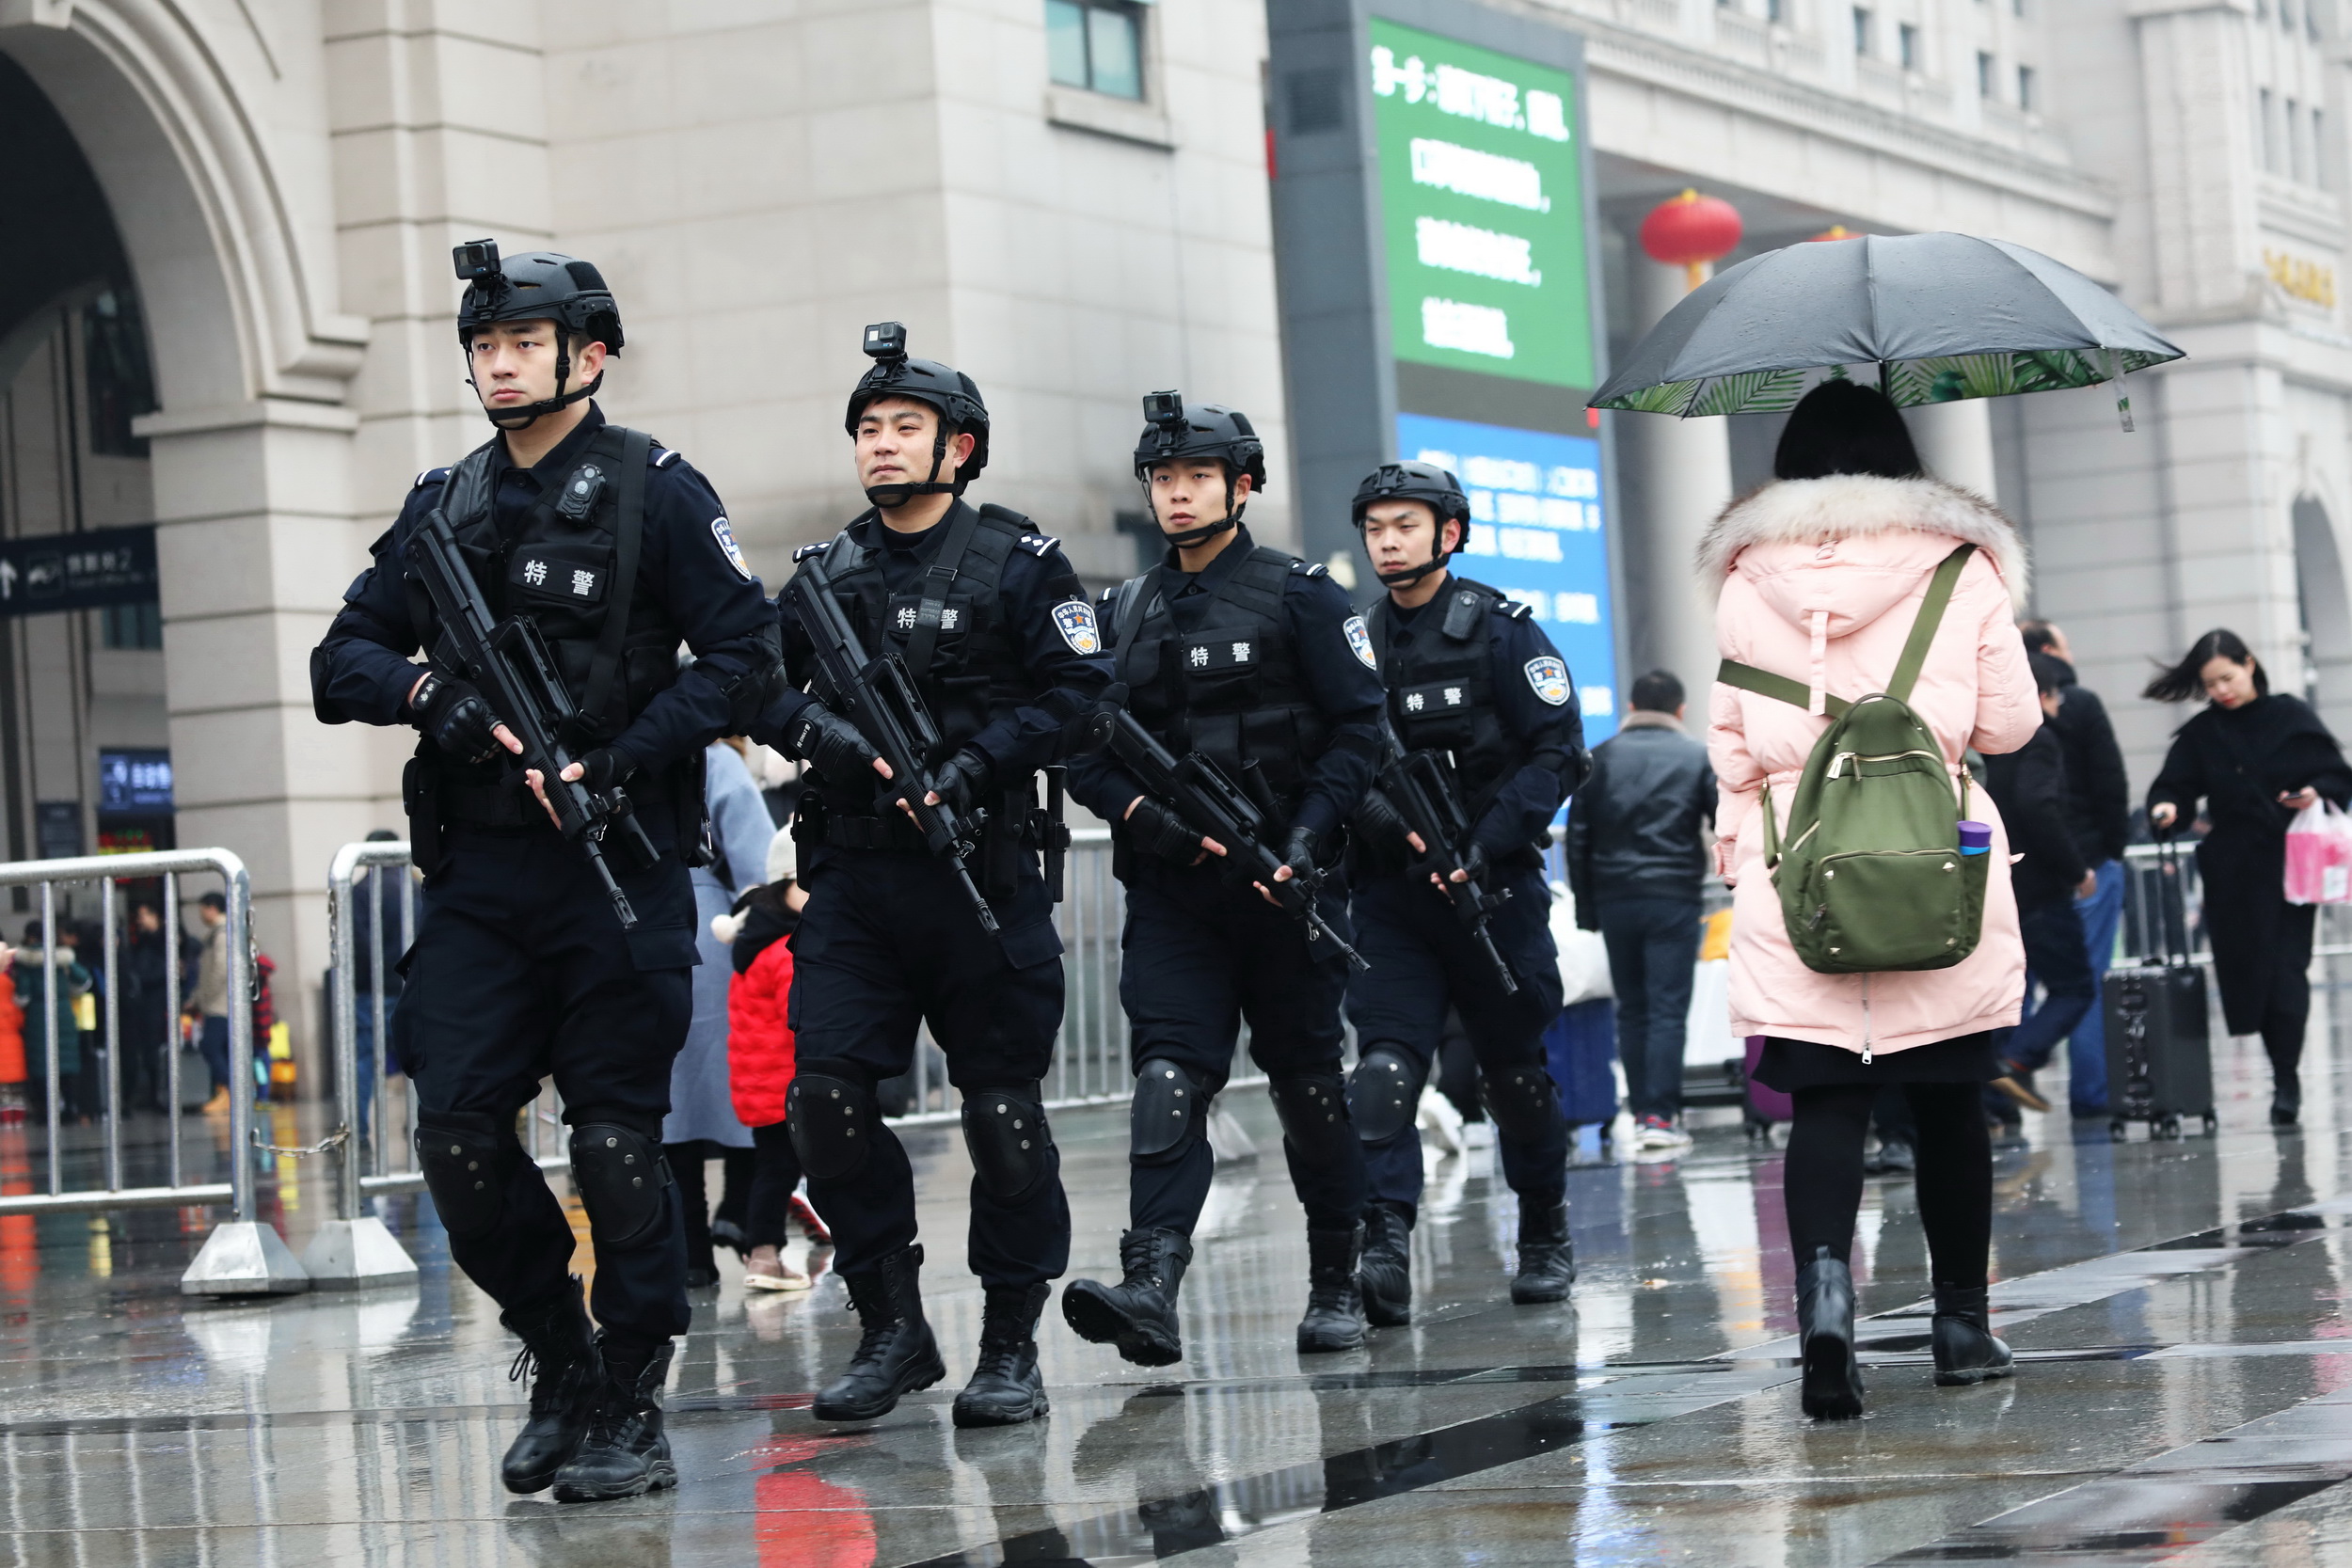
{"x": 133, "y": 783}
{"x": 1538, "y": 533}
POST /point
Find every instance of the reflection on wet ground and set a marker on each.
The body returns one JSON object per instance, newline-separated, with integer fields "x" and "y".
{"x": 2186, "y": 1392}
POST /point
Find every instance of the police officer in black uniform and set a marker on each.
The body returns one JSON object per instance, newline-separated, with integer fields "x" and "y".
{"x": 618, "y": 551}
{"x": 1002, "y": 644}
{"x": 1472, "y": 676}
{"x": 1257, "y": 660}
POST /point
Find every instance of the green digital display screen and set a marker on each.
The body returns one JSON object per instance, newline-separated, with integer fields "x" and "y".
{"x": 1482, "y": 206}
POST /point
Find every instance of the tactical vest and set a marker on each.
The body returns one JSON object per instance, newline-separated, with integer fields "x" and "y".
{"x": 1232, "y": 688}
{"x": 1441, "y": 693}
{"x": 965, "y": 658}
{"x": 560, "y": 569}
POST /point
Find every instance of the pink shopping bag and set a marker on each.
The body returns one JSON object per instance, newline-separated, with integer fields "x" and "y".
{"x": 2319, "y": 856}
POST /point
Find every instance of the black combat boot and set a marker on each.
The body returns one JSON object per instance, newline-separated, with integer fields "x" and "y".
{"x": 897, "y": 1354}
{"x": 559, "y": 1354}
{"x": 1007, "y": 1388}
{"x": 1965, "y": 1348}
{"x": 1335, "y": 1308}
{"x": 1385, "y": 1277}
{"x": 1138, "y": 1314}
{"x": 625, "y": 1452}
{"x": 1546, "y": 1255}
{"x": 1832, "y": 1376}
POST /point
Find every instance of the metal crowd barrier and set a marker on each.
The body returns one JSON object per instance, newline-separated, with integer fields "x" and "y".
{"x": 243, "y": 1254}
{"x": 2157, "y": 920}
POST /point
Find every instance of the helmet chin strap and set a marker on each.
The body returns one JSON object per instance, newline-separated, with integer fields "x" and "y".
{"x": 1206, "y": 531}
{"x": 1412, "y": 574}
{"x": 892, "y": 497}
{"x": 523, "y": 419}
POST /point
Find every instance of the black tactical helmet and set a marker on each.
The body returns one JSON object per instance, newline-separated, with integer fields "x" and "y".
{"x": 1415, "y": 481}
{"x": 1171, "y": 431}
{"x": 950, "y": 391}
{"x": 543, "y": 285}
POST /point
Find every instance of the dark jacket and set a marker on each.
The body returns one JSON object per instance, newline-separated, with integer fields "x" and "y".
{"x": 2098, "y": 792}
{"x": 1635, "y": 829}
{"x": 2029, "y": 787}
{"x": 2238, "y": 761}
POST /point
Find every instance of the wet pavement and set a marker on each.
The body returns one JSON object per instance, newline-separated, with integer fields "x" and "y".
{"x": 2184, "y": 1394}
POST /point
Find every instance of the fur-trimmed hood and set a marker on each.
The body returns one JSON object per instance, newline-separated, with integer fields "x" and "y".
{"x": 1854, "y": 506}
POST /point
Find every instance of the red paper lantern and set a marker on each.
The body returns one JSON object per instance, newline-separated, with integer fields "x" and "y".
{"x": 1691, "y": 231}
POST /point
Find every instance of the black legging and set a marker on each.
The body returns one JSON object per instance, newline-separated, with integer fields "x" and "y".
{"x": 775, "y": 1175}
{"x": 1823, "y": 1180}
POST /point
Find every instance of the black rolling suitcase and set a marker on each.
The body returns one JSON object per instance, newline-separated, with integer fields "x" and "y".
{"x": 2159, "y": 1049}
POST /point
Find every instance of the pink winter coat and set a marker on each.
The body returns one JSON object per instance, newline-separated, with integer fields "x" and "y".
{"x": 1821, "y": 580}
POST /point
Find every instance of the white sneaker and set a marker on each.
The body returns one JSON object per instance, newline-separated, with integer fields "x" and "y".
{"x": 1658, "y": 1133}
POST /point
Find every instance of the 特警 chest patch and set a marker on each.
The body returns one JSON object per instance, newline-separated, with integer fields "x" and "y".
{"x": 1548, "y": 677}
{"x": 1075, "y": 621}
{"x": 1359, "y": 640}
{"x": 727, "y": 546}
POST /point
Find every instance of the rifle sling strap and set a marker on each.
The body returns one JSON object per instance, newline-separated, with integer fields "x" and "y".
{"x": 1747, "y": 677}
{"x": 923, "y": 637}
{"x": 628, "y": 528}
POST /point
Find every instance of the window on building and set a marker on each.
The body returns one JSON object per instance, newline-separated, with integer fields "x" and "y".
{"x": 2322, "y": 171}
{"x": 1986, "y": 87}
{"x": 2286, "y": 15}
{"x": 2266, "y": 131}
{"x": 2016, "y": 8}
{"x": 1095, "y": 44}
{"x": 1861, "y": 31}
{"x": 132, "y": 626}
{"x": 2295, "y": 140}
{"x": 2026, "y": 89}
{"x": 1775, "y": 10}
{"x": 1907, "y": 41}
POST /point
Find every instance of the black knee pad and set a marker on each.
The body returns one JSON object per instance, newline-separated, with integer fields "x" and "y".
{"x": 832, "y": 1118}
{"x": 1384, "y": 1093}
{"x": 1005, "y": 1131}
{"x": 1168, "y": 1115}
{"x": 467, "y": 1160}
{"x": 622, "y": 1180}
{"x": 1522, "y": 1101}
{"x": 1313, "y": 1110}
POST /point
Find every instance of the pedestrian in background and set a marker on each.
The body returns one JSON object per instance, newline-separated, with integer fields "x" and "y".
{"x": 757, "y": 934}
{"x": 1822, "y": 577}
{"x": 2099, "y": 809}
{"x": 1637, "y": 858}
{"x": 2030, "y": 786}
{"x": 144, "y": 970}
{"x": 54, "y": 978}
{"x": 208, "y": 999}
{"x": 2255, "y": 757}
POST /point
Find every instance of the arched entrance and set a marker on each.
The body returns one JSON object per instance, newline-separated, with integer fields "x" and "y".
{"x": 2326, "y": 613}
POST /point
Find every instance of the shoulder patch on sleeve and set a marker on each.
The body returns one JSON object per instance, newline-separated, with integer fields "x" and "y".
{"x": 1548, "y": 677}
{"x": 1075, "y": 619}
{"x": 1038, "y": 543}
{"x": 727, "y": 546}
{"x": 1360, "y": 643}
{"x": 664, "y": 456}
{"x": 1310, "y": 568}
{"x": 431, "y": 476}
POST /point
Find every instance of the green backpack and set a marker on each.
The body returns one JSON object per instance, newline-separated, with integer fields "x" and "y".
{"x": 1871, "y": 875}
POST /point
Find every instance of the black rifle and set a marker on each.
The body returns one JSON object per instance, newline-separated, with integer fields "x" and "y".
{"x": 878, "y": 697}
{"x": 1198, "y": 791}
{"x": 1420, "y": 786}
{"x": 509, "y": 661}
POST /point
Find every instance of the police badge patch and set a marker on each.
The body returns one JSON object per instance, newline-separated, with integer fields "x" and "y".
{"x": 1076, "y": 622}
{"x": 1549, "y": 678}
{"x": 725, "y": 536}
{"x": 1361, "y": 640}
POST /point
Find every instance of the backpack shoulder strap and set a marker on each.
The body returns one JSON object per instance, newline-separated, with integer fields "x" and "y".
{"x": 1747, "y": 677}
{"x": 1931, "y": 616}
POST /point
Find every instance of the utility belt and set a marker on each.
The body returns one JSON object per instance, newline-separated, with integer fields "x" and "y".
{"x": 1016, "y": 828}
{"x": 436, "y": 802}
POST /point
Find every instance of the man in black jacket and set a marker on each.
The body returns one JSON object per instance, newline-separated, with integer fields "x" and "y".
{"x": 1637, "y": 858}
{"x": 2099, "y": 812}
{"x": 2029, "y": 787}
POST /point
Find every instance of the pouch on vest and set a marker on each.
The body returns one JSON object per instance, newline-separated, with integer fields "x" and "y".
{"x": 1870, "y": 871}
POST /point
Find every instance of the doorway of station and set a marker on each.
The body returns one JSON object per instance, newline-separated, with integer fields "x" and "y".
{"x": 84, "y": 759}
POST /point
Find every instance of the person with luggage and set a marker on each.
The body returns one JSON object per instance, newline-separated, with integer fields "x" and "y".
{"x": 1636, "y": 855}
{"x": 2099, "y": 809}
{"x": 2029, "y": 785}
{"x": 1857, "y": 575}
{"x": 2253, "y": 757}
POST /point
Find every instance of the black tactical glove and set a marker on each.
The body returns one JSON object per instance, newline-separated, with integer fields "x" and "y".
{"x": 962, "y": 780}
{"x": 828, "y": 743}
{"x": 604, "y": 768}
{"x": 1299, "y": 854}
{"x": 453, "y": 713}
{"x": 1157, "y": 830}
{"x": 1380, "y": 832}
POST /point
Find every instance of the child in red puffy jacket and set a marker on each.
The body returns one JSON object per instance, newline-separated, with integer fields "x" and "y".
{"x": 759, "y": 1061}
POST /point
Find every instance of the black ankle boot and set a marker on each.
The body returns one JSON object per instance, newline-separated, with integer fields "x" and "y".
{"x": 559, "y": 1354}
{"x": 897, "y": 1354}
{"x": 1006, "y": 1388}
{"x": 2286, "y": 1098}
{"x": 625, "y": 1452}
{"x": 1965, "y": 1349}
{"x": 1335, "y": 1308}
{"x": 1384, "y": 1277}
{"x": 1832, "y": 1378}
{"x": 1547, "y": 1257}
{"x": 1138, "y": 1314}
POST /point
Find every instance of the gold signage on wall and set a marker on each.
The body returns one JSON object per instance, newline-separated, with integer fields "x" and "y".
{"x": 2309, "y": 281}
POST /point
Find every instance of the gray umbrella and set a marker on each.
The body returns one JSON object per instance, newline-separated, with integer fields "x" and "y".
{"x": 1942, "y": 316}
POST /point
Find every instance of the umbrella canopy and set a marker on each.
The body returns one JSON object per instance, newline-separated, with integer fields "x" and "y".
{"x": 1942, "y": 316}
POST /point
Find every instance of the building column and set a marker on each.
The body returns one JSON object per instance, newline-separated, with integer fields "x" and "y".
{"x": 1955, "y": 441}
{"x": 1685, "y": 482}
